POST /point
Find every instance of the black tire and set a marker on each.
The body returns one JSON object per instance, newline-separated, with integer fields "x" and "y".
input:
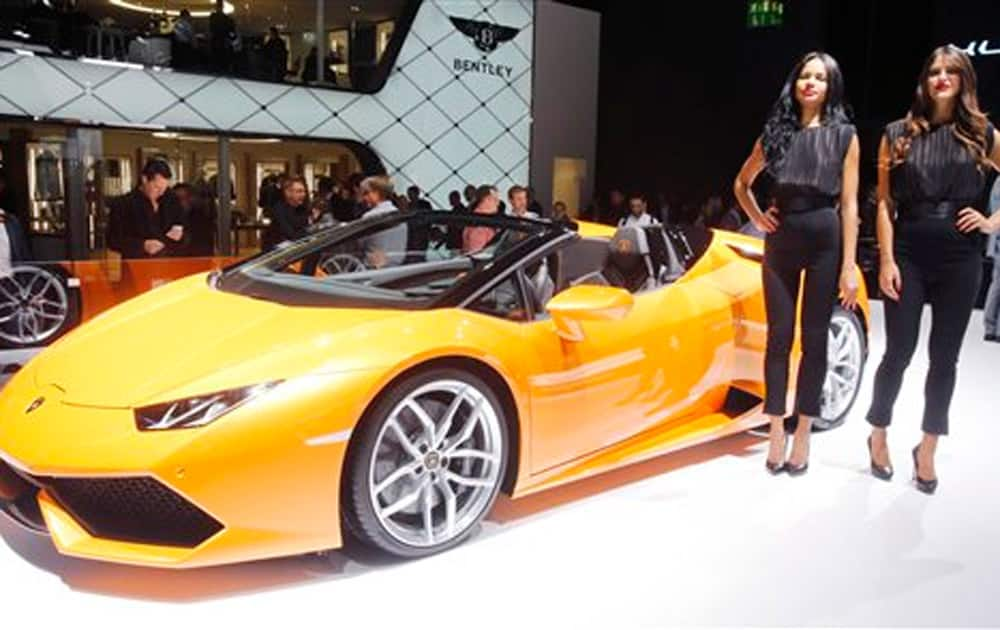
{"x": 843, "y": 317}
{"x": 361, "y": 523}
{"x": 9, "y": 339}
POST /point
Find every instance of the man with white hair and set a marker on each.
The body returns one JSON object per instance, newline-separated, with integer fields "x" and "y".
{"x": 386, "y": 247}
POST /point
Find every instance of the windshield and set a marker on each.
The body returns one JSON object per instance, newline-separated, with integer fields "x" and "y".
{"x": 400, "y": 260}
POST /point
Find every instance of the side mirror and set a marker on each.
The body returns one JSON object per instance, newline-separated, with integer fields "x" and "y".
{"x": 587, "y": 303}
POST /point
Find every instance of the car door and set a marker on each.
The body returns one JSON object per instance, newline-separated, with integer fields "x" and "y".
{"x": 660, "y": 363}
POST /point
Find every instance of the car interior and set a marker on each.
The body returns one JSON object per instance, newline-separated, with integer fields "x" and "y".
{"x": 636, "y": 259}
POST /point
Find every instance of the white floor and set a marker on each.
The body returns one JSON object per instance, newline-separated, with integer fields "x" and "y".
{"x": 703, "y": 537}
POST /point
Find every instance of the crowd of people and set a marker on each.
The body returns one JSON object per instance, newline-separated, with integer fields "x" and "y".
{"x": 161, "y": 219}
{"x": 216, "y": 45}
{"x": 636, "y": 208}
{"x": 292, "y": 214}
{"x": 291, "y": 210}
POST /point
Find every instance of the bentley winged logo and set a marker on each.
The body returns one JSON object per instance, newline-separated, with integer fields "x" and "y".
{"x": 35, "y": 404}
{"x": 485, "y": 35}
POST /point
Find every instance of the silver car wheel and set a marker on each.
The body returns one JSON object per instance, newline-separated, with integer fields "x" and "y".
{"x": 437, "y": 463}
{"x": 342, "y": 263}
{"x": 34, "y": 305}
{"x": 845, "y": 360}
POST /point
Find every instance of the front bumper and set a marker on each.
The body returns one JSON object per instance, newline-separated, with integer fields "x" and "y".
{"x": 255, "y": 484}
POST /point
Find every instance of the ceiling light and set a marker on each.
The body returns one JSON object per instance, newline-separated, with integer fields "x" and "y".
{"x": 227, "y": 8}
{"x": 173, "y": 135}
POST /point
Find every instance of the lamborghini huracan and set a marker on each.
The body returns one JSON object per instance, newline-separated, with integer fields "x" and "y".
{"x": 378, "y": 383}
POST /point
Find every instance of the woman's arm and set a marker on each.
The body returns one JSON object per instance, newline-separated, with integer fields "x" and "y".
{"x": 849, "y": 225}
{"x": 970, "y": 219}
{"x": 888, "y": 277}
{"x": 766, "y": 222}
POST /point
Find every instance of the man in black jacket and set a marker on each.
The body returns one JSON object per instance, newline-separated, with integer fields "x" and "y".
{"x": 416, "y": 202}
{"x": 290, "y": 216}
{"x": 147, "y": 222}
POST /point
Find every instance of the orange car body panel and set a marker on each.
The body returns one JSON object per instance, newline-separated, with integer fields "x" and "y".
{"x": 105, "y": 283}
{"x": 646, "y": 383}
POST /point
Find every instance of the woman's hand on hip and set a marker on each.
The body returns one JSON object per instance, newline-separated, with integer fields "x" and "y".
{"x": 768, "y": 221}
{"x": 971, "y": 220}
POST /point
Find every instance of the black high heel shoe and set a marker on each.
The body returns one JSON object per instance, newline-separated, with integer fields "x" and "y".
{"x": 879, "y": 472}
{"x": 776, "y": 468}
{"x": 927, "y": 486}
{"x": 795, "y": 471}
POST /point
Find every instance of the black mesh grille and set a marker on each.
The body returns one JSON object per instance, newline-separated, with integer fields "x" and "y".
{"x": 134, "y": 509}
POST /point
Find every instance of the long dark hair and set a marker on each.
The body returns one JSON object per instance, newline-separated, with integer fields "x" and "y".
{"x": 969, "y": 124}
{"x": 785, "y": 117}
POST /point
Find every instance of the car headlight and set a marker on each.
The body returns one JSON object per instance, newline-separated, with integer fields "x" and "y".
{"x": 196, "y": 411}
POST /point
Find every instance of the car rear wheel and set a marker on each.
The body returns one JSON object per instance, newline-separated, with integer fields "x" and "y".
{"x": 845, "y": 367}
{"x": 36, "y": 306}
{"x": 427, "y": 464}
{"x": 342, "y": 263}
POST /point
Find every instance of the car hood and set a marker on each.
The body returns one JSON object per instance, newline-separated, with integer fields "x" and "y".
{"x": 188, "y": 339}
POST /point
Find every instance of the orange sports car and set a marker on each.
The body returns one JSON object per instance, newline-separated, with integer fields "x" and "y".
{"x": 377, "y": 382}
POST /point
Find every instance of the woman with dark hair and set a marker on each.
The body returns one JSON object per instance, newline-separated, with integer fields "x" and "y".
{"x": 932, "y": 177}
{"x": 811, "y": 150}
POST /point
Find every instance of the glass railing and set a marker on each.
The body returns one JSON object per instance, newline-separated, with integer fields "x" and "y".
{"x": 327, "y": 43}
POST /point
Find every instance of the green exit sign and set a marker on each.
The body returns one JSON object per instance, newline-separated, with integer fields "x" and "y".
{"x": 761, "y": 13}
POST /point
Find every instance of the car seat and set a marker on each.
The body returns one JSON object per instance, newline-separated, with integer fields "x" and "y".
{"x": 665, "y": 260}
{"x": 629, "y": 266}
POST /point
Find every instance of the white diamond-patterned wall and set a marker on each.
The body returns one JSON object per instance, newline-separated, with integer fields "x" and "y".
{"x": 431, "y": 124}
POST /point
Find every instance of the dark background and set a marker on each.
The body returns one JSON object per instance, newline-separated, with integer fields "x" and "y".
{"x": 685, "y": 86}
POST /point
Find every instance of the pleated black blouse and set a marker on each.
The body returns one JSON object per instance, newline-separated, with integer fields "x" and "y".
{"x": 938, "y": 168}
{"x": 814, "y": 163}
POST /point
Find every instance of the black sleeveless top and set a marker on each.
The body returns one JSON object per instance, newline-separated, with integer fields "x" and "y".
{"x": 939, "y": 175}
{"x": 810, "y": 176}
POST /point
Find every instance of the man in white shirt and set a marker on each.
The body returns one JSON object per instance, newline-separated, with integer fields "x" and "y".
{"x": 638, "y": 213}
{"x": 388, "y": 246}
{"x": 518, "y": 198}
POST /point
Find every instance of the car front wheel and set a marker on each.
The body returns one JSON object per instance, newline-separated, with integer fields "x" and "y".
{"x": 427, "y": 464}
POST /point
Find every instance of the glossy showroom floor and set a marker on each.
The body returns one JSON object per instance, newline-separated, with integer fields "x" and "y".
{"x": 702, "y": 537}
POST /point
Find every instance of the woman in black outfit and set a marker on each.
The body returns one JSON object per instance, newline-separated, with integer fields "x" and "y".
{"x": 933, "y": 171}
{"x": 811, "y": 150}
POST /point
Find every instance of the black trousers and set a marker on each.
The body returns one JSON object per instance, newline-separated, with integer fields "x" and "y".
{"x": 939, "y": 265}
{"x": 805, "y": 242}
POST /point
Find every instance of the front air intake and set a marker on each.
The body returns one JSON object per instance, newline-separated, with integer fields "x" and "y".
{"x": 133, "y": 509}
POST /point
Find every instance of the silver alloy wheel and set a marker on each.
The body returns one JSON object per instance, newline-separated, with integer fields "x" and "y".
{"x": 845, "y": 358}
{"x": 342, "y": 263}
{"x": 34, "y": 305}
{"x": 436, "y": 464}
